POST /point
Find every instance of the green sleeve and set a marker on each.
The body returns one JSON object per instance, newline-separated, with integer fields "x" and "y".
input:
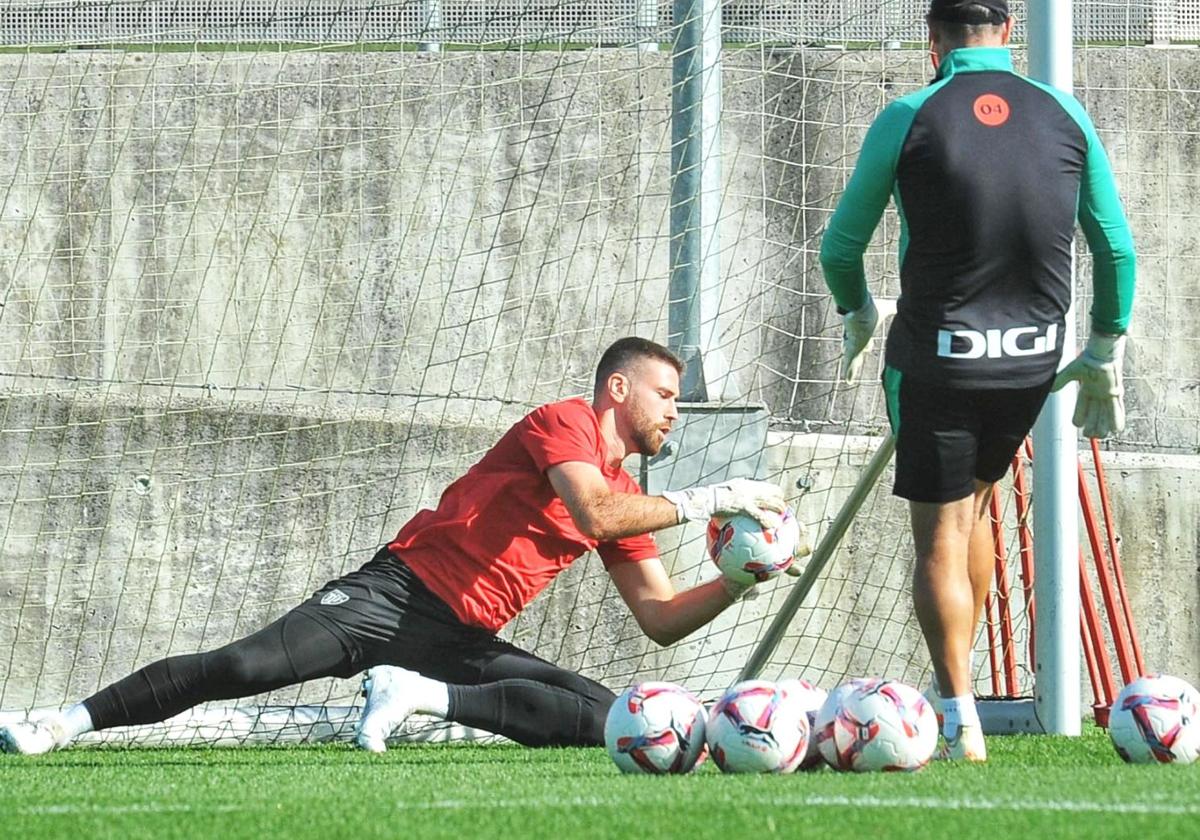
{"x": 1106, "y": 230}
{"x": 862, "y": 205}
{"x": 1108, "y": 236}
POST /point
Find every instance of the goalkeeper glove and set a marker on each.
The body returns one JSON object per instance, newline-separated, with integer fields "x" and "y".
{"x": 858, "y": 328}
{"x": 803, "y": 549}
{"x": 737, "y": 590}
{"x": 1100, "y": 406}
{"x": 761, "y": 500}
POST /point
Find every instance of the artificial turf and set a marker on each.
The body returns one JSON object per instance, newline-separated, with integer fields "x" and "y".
{"x": 1032, "y": 787}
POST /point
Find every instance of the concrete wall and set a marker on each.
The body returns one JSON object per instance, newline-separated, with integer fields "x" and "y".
{"x": 481, "y": 224}
{"x": 260, "y": 307}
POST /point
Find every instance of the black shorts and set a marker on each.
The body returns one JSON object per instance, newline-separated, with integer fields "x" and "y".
{"x": 384, "y": 615}
{"x": 947, "y": 438}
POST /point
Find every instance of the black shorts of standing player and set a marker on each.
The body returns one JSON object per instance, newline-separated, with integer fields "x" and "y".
{"x": 379, "y": 615}
{"x": 948, "y": 438}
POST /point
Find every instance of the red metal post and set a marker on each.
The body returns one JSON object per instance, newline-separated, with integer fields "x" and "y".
{"x": 1107, "y": 590}
{"x": 1092, "y": 620}
{"x": 990, "y": 627}
{"x": 1025, "y": 542}
{"x": 1111, "y": 533}
{"x": 1003, "y": 602}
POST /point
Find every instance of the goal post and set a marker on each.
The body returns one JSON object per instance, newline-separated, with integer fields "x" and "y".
{"x": 1056, "y": 522}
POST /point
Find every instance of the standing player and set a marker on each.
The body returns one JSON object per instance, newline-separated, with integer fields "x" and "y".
{"x": 432, "y": 600}
{"x": 990, "y": 171}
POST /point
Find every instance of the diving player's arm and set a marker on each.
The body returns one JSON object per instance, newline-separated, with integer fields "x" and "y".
{"x": 607, "y": 515}
{"x": 666, "y": 616}
{"x": 604, "y": 514}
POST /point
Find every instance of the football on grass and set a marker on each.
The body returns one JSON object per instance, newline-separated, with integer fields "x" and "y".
{"x": 655, "y": 727}
{"x": 1156, "y": 719}
{"x": 758, "y": 727}
{"x": 810, "y": 698}
{"x": 747, "y": 552}
{"x": 876, "y": 724}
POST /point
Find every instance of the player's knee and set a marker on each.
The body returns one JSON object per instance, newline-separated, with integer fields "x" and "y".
{"x": 232, "y": 667}
{"x": 593, "y": 694}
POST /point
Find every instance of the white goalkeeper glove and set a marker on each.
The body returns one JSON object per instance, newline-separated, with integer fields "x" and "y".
{"x": 736, "y": 590}
{"x": 858, "y": 328}
{"x": 761, "y": 500}
{"x": 1100, "y": 406}
{"x": 803, "y": 549}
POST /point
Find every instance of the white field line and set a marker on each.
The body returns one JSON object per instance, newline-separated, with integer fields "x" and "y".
{"x": 802, "y": 800}
{"x": 132, "y": 808}
{"x": 799, "y": 800}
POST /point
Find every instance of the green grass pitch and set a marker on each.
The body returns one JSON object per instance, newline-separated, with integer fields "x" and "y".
{"x": 1033, "y": 787}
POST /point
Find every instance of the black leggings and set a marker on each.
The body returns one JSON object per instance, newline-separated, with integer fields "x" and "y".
{"x": 388, "y": 617}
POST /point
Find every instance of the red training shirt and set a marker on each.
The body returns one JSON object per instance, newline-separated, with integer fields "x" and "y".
{"x": 500, "y": 533}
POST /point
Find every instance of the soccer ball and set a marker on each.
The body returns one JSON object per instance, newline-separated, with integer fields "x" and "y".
{"x": 822, "y": 733}
{"x": 758, "y": 727}
{"x": 876, "y": 724}
{"x": 746, "y": 552}
{"x": 655, "y": 727}
{"x": 1156, "y": 718}
{"x": 810, "y": 698}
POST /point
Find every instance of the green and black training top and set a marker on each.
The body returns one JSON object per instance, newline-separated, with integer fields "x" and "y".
{"x": 989, "y": 171}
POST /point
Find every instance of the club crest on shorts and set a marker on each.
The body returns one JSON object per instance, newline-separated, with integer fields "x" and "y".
{"x": 334, "y": 597}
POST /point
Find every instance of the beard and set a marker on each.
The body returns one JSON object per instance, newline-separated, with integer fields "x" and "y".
{"x": 646, "y": 434}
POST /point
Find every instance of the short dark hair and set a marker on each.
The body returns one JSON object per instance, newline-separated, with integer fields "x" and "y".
{"x": 625, "y": 352}
{"x": 969, "y": 12}
{"x": 961, "y": 34}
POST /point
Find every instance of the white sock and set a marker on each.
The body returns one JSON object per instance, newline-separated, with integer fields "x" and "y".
{"x": 77, "y": 720}
{"x": 432, "y": 697}
{"x": 958, "y": 711}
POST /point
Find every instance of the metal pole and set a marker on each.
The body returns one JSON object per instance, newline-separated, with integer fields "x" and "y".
{"x": 431, "y": 16}
{"x": 1055, "y": 447}
{"x": 695, "y": 287}
{"x": 830, "y": 541}
{"x": 647, "y": 25}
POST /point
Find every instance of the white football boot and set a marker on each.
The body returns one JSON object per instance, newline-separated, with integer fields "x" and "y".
{"x": 390, "y": 700}
{"x": 967, "y": 745}
{"x": 34, "y": 737}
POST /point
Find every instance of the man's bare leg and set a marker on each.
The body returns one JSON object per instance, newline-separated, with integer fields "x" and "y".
{"x": 950, "y": 581}
{"x": 982, "y": 551}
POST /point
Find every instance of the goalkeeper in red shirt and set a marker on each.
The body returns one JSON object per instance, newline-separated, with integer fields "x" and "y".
{"x": 423, "y": 614}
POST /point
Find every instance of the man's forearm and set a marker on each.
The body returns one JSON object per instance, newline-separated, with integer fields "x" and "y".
{"x": 618, "y": 515}
{"x": 690, "y": 610}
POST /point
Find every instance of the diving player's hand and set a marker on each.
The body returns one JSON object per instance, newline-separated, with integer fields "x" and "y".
{"x": 858, "y": 328}
{"x": 803, "y": 549}
{"x": 1100, "y": 406}
{"x": 761, "y": 500}
{"x": 737, "y": 590}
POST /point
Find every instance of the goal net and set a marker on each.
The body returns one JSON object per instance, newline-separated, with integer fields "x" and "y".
{"x": 274, "y": 273}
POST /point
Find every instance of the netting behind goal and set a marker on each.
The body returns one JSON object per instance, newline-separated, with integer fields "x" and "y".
{"x": 270, "y": 284}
